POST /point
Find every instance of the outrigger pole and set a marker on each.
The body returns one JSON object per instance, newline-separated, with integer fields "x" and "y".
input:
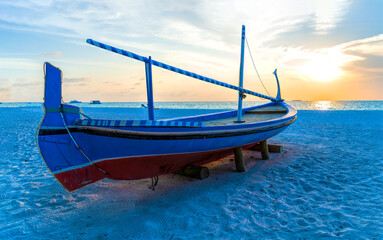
{"x": 148, "y": 62}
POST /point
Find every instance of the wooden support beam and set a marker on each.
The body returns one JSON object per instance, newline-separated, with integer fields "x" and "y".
{"x": 264, "y": 150}
{"x": 239, "y": 160}
{"x": 195, "y": 171}
{"x": 274, "y": 148}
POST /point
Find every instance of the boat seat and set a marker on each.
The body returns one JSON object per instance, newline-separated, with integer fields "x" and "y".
{"x": 268, "y": 110}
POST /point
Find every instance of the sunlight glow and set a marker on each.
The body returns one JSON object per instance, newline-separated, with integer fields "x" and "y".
{"x": 325, "y": 65}
{"x": 323, "y": 105}
{"x": 323, "y": 68}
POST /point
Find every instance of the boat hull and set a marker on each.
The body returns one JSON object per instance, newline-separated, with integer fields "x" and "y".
{"x": 131, "y": 159}
{"x": 124, "y": 158}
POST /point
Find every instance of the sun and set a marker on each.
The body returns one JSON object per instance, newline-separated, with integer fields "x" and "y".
{"x": 322, "y": 68}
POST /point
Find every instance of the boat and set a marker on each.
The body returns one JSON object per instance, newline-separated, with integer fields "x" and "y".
{"x": 80, "y": 150}
{"x": 95, "y": 102}
{"x": 145, "y": 106}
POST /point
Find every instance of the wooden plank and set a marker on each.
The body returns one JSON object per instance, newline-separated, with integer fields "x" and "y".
{"x": 267, "y": 111}
{"x": 195, "y": 171}
{"x": 275, "y": 148}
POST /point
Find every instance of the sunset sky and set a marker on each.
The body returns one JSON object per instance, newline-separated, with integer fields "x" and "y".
{"x": 323, "y": 50}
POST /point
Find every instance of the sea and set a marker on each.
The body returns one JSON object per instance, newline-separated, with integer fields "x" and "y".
{"x": 327, "y": 184}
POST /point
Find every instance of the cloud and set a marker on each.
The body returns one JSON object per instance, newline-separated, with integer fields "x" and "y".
{"x": 208, "y": 24}
{"x": 19, "y": 63}
{"x": 368, "y": 68}
{"x": 24, "y": 83}
{"x": 140, "y": 81}
{"x": 76, "y": 80}
{"x": 372, "y": 46}
{"x": 330, "y": 63}
{"x": 369, "y": 54}
{"x": 198, "y": 36}
{"x": 54, "y": 54}
{"x": 328, "y": 13}
{"x": 5, "y": 94}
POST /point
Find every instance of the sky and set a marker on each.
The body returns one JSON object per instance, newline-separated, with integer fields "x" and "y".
{"x": 324, "y": 50}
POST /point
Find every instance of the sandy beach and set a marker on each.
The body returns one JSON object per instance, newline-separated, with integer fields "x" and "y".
{"x": 326, "y": 184}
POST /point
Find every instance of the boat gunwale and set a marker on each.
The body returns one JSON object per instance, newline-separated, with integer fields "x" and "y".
{"x": 108, "y": 132}
{"x": 290, "y": 114}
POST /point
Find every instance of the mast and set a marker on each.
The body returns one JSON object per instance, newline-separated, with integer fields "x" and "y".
{"x": 240, "y": 85}
{"x": 149, "y": 87}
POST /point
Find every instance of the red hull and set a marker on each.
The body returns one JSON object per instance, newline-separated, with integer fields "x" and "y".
{"x": 79, "y": 177}
{"x": 134, "y": 168}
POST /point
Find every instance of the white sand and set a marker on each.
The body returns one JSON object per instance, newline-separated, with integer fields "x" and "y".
{"x": 327, "y": 184}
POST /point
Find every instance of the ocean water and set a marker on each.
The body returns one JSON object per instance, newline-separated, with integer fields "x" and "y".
{"x": 300, "y": 105}
{"x": 326, "y": 184}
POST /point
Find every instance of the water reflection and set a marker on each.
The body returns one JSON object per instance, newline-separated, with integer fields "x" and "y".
{"x": 323, "y": 105}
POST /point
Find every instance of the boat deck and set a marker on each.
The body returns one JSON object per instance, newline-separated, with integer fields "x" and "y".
{"x": 259, "y": 114}
{"x": 252, "y": 116}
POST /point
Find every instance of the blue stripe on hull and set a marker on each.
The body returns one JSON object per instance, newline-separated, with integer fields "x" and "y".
{"x": 113, "y": 147}
{"x": 136, "y": 123}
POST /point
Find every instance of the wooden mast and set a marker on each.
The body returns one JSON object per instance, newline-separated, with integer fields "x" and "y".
{"x": 149, "y": 87}
{"x": 240, "y": 85}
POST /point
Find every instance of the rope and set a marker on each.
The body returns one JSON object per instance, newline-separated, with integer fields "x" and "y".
{"x": 78, "y": 147}
{"x": 85, "y": 115}
{"x": 154, "y": 182}
{"x": 256, "y": 68}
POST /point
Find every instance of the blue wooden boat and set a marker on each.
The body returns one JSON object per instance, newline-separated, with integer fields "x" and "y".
{"x": 79, "y": 150}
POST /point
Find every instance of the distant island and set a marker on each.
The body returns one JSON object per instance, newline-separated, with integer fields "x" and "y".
{"x": 74, "y": 101}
